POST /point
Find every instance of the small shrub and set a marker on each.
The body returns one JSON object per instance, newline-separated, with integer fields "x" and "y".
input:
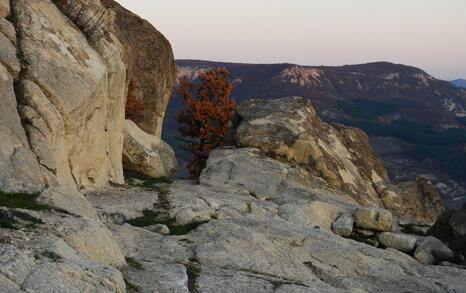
{"x": 150, "y": 218}
{"x": 22, "y": 201}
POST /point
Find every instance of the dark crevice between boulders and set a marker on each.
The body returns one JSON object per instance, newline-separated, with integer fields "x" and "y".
{"x": 133, "y": 263}
{"x": 161, "y": 185}
{"x": 150, "y": 218}
{"x": 51, "y": 255}
{"x": 193, "y": 271}
{"x": 269, "y": 277}
{"x": 131, "y": 287}
{"x": 321, "y": 274}
{"x": 317, "y": 271}
{"x": 14, "y": 220}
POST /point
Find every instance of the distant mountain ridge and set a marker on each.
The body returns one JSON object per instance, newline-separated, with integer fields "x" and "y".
{"x": 416, "y": 122}
{"x": 326, "y": 86}
{"x": 459, "y": 82}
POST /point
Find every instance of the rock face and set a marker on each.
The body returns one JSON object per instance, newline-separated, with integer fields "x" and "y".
{"x": 71, "y": 129}
{"x": 65, "y": 69}
{"x": 290, "y": 130}
{"x": 19, "y": 167}
{"x": 149, "y": 59}
{"x": 418, "y": 200}
{"x": 66, "y": 114}
{"x": 147, "y": 154}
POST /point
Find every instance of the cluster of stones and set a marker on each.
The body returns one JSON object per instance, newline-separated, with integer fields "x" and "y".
{"x": 375, "y": 227}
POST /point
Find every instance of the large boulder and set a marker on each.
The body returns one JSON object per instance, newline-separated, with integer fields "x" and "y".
{"x": 90, "y": 238}
{"x": 147, "y": 154}
{"x": 69, "y": 117}
{"x": 418, "y": 201}
{"x": 373, "y": 219}
{"x": 74, "y": 120}
{"x": 35, "y": 262}
{"x": 150, "y": 63}
{"x": 401, "y": 242}
{"x": 289, "y": 128}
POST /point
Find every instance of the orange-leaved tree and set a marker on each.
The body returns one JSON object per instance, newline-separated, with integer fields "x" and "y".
{"x": 204, "y": 119}
{"x": 134, "y": 108}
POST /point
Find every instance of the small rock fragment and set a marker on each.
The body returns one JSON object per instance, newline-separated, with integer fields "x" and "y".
{"x": 373, "y": 219}
{"x": 401, "y": 242}
{"x": 430, "y": 250}
{"x": 159, "y": 228}
{"x": 343, "y": 226}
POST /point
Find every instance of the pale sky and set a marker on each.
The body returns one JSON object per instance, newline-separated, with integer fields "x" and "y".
{"x": 430, "y": 34}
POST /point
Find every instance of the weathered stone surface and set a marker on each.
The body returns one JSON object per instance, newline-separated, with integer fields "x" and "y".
{"x": 401, "y": 242}
{"x": 118, "y": 205}
{"x": 15, "y": 264}
{"x": 343, "y": 226}
{"x": 236, "y": 281}
{"x": 68, "y": 277}
{"x": 159, "y": 276}
{"x": 8, "y": 55}
{"x": 151, "y": 65}
{"x": 419, "y": 201}
{"x": 70, "y": 201}
{"x": 67, "y": 114}
{"x": 19, "y": 168}
{"x": 373, "y": 219}
{"x": 38, "y": 261}
{"x": 147, "y": 154}
{"x": 90, "y": 238}
{"x": 289, "y": 128}
{"x": 267, "y": 179}
{"x": 8, "y": 286}
{"x": 251, "y": 247}
{"x": 321, "y": 261}
{"x": 8, "y": 30}
{"x": 315, "y": 214}
{"x": 4, "y": 8}
{"x": 430, "y": 250}
{"x": 157, "y": 260}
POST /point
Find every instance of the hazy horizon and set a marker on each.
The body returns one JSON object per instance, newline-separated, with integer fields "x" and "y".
{"x": 421, "y": 33}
